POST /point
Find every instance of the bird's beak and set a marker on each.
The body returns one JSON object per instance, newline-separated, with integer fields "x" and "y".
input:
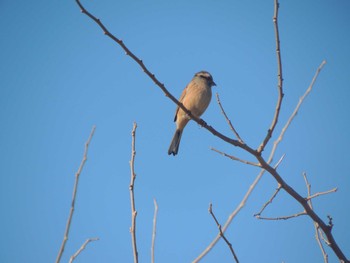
{"x": 214, "y": 84}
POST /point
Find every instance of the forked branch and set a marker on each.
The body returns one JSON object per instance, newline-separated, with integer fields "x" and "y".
{"x": 76, "y": 254}
{"x": 279, "y": 81}
{"x": 75, "y": 189}
{"x": 222, "y": 233}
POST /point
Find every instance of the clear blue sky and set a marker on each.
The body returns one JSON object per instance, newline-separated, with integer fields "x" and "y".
{"x": 60, "y": 76}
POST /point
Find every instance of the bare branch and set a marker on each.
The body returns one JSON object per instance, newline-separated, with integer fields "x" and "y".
{"x": 236, "y": 211}
{"x": 162, "y": 86}
{"x": 154, "y": 229}
{"x": 235, "y": 158}
{"x": 279, "y": 161}
{"x": 295, "y": 112}
{"x": 72, "y": 258}
{"x": 231, "y": 216}
{"x": 279, "y": 80}
{"x": 227, "y": 119}
{"x": 132, "y": 198}
{"x": 325, "y": 228}
{"x": 318, "y": 239}
{"x": 282, "y": 217}
{"x": 258, "y": 215}
{"x": 222, "y": 233}
{"x": 284, "y": 129}
{"x": 268, "y": 202}
{"x": 316, "y": 226}
{"x": 256, "y": 153}
{"x": 322, "y": 193}
{"x": 75, "y": 189}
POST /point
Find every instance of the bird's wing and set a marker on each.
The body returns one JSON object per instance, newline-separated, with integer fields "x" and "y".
{"x": 180, "y": 100}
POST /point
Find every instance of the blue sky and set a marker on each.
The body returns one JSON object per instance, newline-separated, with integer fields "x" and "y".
{"x": 60, "y": 76}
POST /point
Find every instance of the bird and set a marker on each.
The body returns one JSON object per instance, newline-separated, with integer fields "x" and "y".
{"x": 196, "y": 98}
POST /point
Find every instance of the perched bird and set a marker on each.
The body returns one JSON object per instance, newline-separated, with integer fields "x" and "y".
{"x": 196, "y": 98}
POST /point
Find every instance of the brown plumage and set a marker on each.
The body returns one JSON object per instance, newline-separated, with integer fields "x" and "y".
{"x": 196, "y": 98}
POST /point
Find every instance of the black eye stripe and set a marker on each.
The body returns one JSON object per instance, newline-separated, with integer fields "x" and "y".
{"x": 205, "y": 77}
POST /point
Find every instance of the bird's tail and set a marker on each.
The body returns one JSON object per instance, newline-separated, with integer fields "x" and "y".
{"x": 175, "y": 143}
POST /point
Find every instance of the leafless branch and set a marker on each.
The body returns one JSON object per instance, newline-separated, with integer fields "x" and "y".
{"x": 227, "y": 119}
{"x": 268, "y": 202}
{"x": 222, "y": 233}
{"x": 279, "y": 161}
{"x": 75, "y": 189}
{"x": 258, "y": 215}
{"x": 279, "y": 80}
{"x": 230, "y": 217}
{"x": 317, "y": 228}
{"x": 284, "y": 129}
{"x": 256, "y": 153}
{"x": 72, "y": 258}
{"x": 162, "y": 86}
{"x": 322, "y": 193}
{"x": 257, "y": 179}
{"x": 235, "y": 158}
{"x": 295, "y": 112}
{"x": 235, "y": 212}
{"x": 324, "y": 238}
{"x": 282, "y": 217}
{"x": 132, "y": 198}
{"x": 154, "y": 229}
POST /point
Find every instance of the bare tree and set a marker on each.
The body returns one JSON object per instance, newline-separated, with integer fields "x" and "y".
{"x": 323, "y": 229}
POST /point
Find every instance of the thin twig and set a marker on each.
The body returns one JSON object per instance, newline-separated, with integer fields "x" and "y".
{"x": 322, "y": 193}
{"x": 268, "y": 202}
{"x": 279, "y": 80}
{"x": 72, "y": 258}
{"x": 227, "y": 119}
{"x": 75, "y": 189}
{"x": 274, "y": 194}
{"x": 279, "y": 161}
{"x": 154, "y": 229}
{"x": 222, "y": 233}
{"x": 324, "y": 238}
{"x": 132, "y": 198}
{"x": 295, "y": 112}
{"x": 235, "y": 158}
{"x": 316, "y": 226}
{"x": 282, "y": 217}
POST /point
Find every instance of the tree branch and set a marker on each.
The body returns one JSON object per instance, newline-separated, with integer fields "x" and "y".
{"x": 256, "y": 153}
{"x": 162, "y": 86}
{"x": 154, "y": 229}
{"x": 75, "y": 189}
{"x": 235, "y": 158}
{"x": 132, "y": 198}
{"x": 72, "y": 258}
{"x": 322, "y": 193}
{"x": 257, "y": 215}
{"x": 325, "y": 228}
{"x": 227, "y": 119}
{"x": 296, "y": 110}
{"x": 230, "y": 217}
{"x": 279, "y": 80}
{"x": 281, "y": 217}
{"x": 317, "y": 229}
{"x": 222, "y": 233}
